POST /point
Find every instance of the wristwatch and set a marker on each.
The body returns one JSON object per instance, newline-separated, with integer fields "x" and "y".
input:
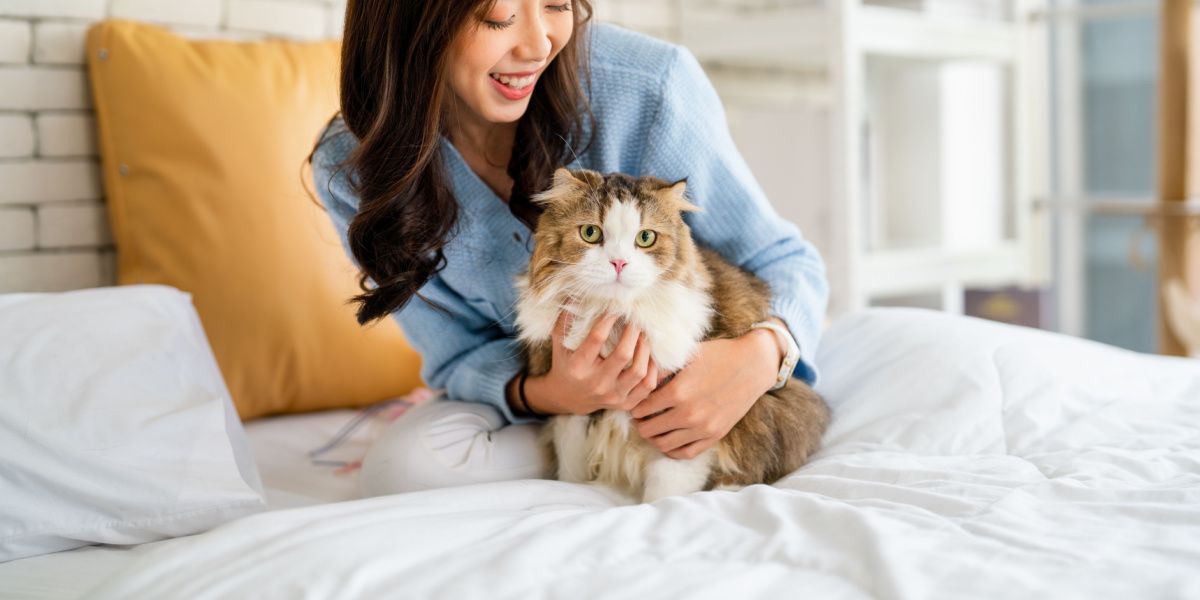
{"x": 791, "y": 351}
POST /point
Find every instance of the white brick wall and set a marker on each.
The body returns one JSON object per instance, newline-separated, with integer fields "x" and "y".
{"x": 66, "y": 134}
{"x": 200, "y": 13}
{"x": 16, "y": 228}
{"x": 54, "y": 233}
{"x": 70, "y": 9}
{"x": 14, "y": 41}
{"x": 16, "y": 136}
{"x": 282, "y": 17}
{"x": 59, "y": 43}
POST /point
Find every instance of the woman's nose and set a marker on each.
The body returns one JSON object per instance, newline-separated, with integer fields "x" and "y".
{"x": 534, "y": 44}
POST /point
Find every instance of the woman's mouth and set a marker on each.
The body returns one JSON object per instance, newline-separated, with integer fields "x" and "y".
{"x": 513, "y": 88}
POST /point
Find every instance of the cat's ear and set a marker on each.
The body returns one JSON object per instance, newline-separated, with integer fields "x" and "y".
{"x": 676, "y": 194}
{"x": 563, "y": 178}
{"x": 564, "y": 183}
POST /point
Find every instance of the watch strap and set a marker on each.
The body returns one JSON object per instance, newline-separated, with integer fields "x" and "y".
{"x": 791, "y": 351}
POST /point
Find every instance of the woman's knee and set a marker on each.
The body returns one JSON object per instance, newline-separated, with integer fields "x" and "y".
{"x": 426, "y": 447}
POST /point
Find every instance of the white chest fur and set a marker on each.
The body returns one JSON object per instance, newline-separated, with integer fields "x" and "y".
{"x": 674, "y": 318}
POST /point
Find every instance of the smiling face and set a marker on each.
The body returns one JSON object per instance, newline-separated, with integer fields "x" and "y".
{"x": 495, "y": 62}
{"x": 609, "y": 237}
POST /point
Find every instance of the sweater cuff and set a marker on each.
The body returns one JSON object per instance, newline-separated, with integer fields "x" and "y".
{"x": 805, "y": 330}
{"x": 490, "y": 382}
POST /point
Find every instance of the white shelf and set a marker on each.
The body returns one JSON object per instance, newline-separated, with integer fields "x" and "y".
{"x": 795, "y": 38}
{"x": 809, "y": 68}
{"x": 893, "y": 272}
{"x": 800, "y": 38}
{"x": 903, "y": 33}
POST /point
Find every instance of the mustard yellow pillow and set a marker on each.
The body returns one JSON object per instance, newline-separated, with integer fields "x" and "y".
{"x": 204, "y": 146}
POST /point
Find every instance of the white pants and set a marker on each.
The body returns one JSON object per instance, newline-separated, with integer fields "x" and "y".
{"x": 443, "y": 443}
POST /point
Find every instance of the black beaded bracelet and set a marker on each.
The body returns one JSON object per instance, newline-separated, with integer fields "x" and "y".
{"x": 524, "y": 400}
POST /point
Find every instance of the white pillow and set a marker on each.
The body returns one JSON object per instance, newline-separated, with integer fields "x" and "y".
{"x": 115, "y": 424}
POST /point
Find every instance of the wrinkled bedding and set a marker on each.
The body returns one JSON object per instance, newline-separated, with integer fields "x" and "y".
{"x": 966, "y": 459}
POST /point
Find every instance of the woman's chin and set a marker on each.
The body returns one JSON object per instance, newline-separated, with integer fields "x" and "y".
{"x": 508, "y": 114}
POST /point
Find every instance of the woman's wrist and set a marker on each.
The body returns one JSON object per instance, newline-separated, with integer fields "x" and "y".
{"x": 535, "y": 400}
{"x": 512, "y": 394}
{"x": 768, "y": 347}
{"x": 537, "y": 396}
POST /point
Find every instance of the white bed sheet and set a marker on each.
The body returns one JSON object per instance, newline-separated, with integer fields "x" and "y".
{"x": 280, "y": 445}
{"x": 965, "y": 459}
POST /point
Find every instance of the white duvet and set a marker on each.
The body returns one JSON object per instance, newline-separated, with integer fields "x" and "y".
{"x": 965, "y": 460}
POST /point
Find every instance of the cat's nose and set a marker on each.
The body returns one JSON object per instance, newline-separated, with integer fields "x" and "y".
{"x": 618, "y": 264}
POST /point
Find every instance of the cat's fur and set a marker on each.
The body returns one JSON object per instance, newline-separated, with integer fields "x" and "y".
{"x": 678, "y": 294}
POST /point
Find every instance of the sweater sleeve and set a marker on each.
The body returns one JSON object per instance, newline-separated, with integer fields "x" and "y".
{"x": 463, "y": 353}
{"x": 689, "y": 138}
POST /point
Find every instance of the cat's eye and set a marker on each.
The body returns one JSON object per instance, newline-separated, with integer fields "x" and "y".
{"x": 645, "y": 238}
{"x": 590, "y": 233}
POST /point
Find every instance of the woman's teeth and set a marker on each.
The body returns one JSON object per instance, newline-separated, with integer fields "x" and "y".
{"x": 514, "y": 82}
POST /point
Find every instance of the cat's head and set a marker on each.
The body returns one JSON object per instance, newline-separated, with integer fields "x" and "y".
{"x": 610, "y": 237}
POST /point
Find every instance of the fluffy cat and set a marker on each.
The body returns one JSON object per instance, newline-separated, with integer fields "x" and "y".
{"x": 679, "y": 294}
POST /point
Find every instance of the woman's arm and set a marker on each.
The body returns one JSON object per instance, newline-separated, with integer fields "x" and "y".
{"x": 690, "y": 138}
{"x": 464, "y": 353}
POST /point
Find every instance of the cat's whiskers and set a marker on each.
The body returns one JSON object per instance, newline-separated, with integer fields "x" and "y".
{"x": 550, "y": 281}
{"x": 561, "y": 283}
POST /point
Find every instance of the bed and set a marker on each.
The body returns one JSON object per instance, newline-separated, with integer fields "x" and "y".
{"x": 965, "y": 459}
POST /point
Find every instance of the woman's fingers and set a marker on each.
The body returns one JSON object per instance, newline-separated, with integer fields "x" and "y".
{"x": 675, "y": 440}
{"x": 663, "y": 397}
{"x": 560, "y": 329}
{"x": 559, "y": 353}
{"x": 632, "y": 375}
{"x": 622, "y": 355}
{"x": 642, "y": 389}
{"x": 659, "y": 424}
{"x": 589, "y": 350}
{"x": 692, "y": 450}
{"x": 648, "y": 382}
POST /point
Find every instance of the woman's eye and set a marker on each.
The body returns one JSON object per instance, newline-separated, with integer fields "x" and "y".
{"x": 589, "y": 233}
{"x": 505, "y": 24}
{"x": 499, "y": 24}
{"x": 645, "y": 238}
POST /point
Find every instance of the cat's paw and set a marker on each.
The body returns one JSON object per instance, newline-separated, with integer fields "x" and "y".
{"x": 669, "y": 477}
{"x": 571, "y": 448}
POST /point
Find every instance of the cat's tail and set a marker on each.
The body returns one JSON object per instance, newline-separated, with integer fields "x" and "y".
{"x": 1183, "y": 315}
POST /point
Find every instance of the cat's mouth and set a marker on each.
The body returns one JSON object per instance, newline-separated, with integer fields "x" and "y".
{"x": 623, "y": 287}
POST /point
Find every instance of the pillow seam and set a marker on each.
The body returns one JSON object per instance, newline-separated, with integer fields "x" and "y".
{"x": 143, "y": 522}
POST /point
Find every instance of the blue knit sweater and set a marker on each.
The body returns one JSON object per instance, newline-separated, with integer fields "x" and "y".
{"x": 656, "y": 114}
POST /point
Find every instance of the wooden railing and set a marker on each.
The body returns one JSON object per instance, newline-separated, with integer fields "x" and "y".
{"x": 1179, "y": 249}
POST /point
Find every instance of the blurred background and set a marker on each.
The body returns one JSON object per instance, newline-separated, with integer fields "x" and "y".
{"x": 985, "y": 157}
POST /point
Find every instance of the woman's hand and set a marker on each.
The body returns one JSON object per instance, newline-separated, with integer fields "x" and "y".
{"x": 693, "y": 411}
{"x": 580, "y": 382}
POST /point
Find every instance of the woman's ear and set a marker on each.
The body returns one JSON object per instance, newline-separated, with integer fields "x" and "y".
{"x": 676, "y": 194}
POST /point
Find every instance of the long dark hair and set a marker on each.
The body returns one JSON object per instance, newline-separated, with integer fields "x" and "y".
{"x": 392, "y": 50}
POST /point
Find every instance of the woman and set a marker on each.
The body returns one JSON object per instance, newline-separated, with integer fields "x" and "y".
{"x": 453, "y": 114}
